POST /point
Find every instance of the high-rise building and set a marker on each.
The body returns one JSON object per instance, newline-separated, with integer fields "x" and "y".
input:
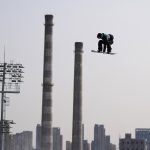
{"x": 24, "y": 140}
{"x": 57, "y": 139}
{"x": 99, "y": 137}
{"x": 38, "y": 137}
{"x": 101, "y": 141}
{"x": 143, "y": 133}
{"x": 129, "y": 143}
{"x": 107, "y": 142}
{"x": 68, "y": 145}
{"x": 27, "y": 140}
{"x": 8, "y": 142}
{"x": 86, "y": 145}
{"x": 19, "y": 141}
{"x": 92, "y": 145}
{"x": 112, "y": 146}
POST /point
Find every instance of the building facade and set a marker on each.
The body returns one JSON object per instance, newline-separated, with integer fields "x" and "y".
{"x": 86, "y": 145}
{"x": 99, "y": 137}
{"x": 57, "y": 139}
{"x": 38, "y": 137}
{"x": 129, "y": 143}
{"x": 19, "y": 141}
{"x": 143, "y": 133}
{"x": 68, "y": 145}
{"x": 101, "y": 141}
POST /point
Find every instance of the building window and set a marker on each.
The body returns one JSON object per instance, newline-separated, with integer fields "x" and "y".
{"x": 132, "y": 142}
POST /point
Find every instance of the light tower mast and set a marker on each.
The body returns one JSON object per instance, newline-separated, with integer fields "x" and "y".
{"x": 10, "y": 79}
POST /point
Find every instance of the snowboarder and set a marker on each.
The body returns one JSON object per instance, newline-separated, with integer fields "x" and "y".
{"x": 106, "y": 41}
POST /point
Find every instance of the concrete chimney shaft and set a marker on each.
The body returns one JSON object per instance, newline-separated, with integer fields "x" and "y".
{"x": 46, "y": 123}
{"x": 77, "y": 99}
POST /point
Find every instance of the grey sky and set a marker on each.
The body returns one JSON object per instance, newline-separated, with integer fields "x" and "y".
{"x": 115, "y": 88}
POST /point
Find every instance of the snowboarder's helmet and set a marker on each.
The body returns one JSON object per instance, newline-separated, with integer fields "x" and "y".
{"x": 99, "y": 35}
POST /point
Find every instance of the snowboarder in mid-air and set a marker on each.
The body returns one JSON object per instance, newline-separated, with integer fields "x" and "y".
{"x": 106, "y": 40}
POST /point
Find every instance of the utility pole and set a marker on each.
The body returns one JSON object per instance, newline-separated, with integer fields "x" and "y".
{"x": 10, "y": 79}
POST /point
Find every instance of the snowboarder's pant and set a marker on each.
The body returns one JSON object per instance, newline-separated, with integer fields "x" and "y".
{"x": 104, "y": 44}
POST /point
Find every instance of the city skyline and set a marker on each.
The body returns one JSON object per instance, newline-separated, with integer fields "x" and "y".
{"x": 100, "y": 141}
{"x": 115, "y": 88}
{"x": 24, "y": 140}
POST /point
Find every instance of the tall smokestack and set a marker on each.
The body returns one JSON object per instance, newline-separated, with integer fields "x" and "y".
{"x": 77, "y": 100}
{"x": 46, "y": 128}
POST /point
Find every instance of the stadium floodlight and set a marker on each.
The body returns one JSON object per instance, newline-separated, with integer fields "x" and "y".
{"x": 10, "y": 80}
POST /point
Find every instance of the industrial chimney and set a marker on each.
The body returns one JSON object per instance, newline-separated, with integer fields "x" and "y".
{"x": 77, "y": 99}
{"x": 46, "y": 124}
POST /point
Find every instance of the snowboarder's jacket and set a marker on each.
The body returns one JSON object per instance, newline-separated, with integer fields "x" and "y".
{"x": 107, "y": 38}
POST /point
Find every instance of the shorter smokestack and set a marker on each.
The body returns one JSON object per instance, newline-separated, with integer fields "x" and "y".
{"x": 77, "y": 99}
{"x": 46, "y": 124}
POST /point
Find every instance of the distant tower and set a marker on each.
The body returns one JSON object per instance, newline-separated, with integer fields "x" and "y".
{"x": 77, "y": 101}
{"x": 99, "y": 137}
{"x": 46, "y": 124}
{"x": 38, "y": 137}
{"x": 57, "y": 139}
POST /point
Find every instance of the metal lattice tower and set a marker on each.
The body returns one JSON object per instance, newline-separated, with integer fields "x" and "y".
{"x": 10, "y": 79}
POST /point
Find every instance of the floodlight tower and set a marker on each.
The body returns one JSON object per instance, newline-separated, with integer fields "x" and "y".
{"x": 10, "y": 79}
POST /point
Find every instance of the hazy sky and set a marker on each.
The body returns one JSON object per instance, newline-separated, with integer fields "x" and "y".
{"x": 115, "y": 88}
